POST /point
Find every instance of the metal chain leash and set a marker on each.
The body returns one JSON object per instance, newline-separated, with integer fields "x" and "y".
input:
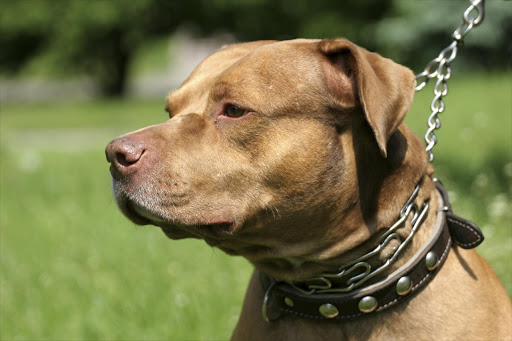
{"x": 439, "y": 68}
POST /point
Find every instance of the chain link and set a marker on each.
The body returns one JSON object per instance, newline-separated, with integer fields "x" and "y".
{"x": 439, "y": 68}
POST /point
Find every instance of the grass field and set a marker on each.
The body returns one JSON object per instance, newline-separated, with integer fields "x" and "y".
{"x": 72, "y": 268}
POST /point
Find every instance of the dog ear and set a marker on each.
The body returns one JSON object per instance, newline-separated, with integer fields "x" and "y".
{"x": 384, "y": 89}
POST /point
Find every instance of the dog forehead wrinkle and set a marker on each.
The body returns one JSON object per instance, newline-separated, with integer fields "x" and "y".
{"x": 185, "y": 101}
{"x": 220, "y": 90}
{"x": 195, "y": 91}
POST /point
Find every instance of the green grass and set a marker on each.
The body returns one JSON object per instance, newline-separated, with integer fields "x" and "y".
{"x": 73, "y": 268}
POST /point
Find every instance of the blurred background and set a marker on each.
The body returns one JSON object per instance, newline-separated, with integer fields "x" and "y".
{"x": 113, "y": 48}
{"x": 76, "y": 74}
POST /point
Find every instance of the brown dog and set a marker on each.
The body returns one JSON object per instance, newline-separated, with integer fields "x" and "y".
{"x": 293, "y": 154}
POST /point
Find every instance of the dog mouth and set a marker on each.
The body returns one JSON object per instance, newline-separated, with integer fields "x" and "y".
{"x": 137, "y": 213}
{"x": 141, "y": 213}
{"x": 215, "y": 227}
{"x": 212, "y": 232}
{"x": 216, "y": 232}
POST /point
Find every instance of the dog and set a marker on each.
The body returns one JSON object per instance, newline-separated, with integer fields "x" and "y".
{"x": 293, "y": 155}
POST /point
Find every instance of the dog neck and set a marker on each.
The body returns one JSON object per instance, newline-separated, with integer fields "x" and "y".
{"x": 389, "y": 246}
{"x": 324, "y": 298}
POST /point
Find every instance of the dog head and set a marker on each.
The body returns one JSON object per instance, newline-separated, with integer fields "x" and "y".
{"x": 283, "y": 152}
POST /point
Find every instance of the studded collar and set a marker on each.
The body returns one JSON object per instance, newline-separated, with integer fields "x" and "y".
{"x": 286, "y": 298}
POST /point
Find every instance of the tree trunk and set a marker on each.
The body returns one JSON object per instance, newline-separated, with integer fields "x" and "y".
{"x": 112, "y": 74}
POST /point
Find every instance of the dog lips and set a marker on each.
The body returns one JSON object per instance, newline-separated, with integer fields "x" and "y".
{"x": 146, "y": 214}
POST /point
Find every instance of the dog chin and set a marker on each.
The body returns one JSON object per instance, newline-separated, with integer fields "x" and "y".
{"x": 137, "y": 213}
{"x": 134, "y": 211}
{"x": 142, "y": 216}
{"x": 209, "y": 231}
{"x": 145, "y": 214}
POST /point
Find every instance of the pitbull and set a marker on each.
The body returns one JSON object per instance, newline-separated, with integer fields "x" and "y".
{"x": 293, "y": 155}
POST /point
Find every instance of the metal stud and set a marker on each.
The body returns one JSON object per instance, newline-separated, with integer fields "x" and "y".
{"x": 431, "y": 261}
{"x": 328, "y": 310}
{"x": 367, "y": 304}
{"x": 288, "y": 301}
{"x": 404, "y": 286}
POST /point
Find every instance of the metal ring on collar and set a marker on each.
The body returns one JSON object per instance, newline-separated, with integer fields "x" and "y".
{"x": 264, "y": 306}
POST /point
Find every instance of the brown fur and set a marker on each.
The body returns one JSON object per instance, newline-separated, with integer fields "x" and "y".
{"x": 303, "y": 182}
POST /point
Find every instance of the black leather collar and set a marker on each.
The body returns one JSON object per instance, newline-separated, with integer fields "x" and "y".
{"x": 283, "y": 298}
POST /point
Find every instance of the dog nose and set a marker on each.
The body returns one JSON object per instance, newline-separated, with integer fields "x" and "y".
{"x": 124, "y": 155}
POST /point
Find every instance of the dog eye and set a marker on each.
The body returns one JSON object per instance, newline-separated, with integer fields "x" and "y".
{"x": 234, "y": 111}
